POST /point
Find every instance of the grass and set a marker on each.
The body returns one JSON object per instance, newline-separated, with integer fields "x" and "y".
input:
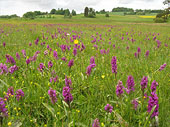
{"x": 90, "y": 93}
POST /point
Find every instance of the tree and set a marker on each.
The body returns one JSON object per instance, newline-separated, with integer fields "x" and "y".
{"x": 91, "y": 13}
{"x": 53, "y": 11}
{"x": 73, "y": 12}
{"x": 30, "y": 15}
{"x": 86, "y": 11}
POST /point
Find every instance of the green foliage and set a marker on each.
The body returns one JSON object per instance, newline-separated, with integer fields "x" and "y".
{"x": 107, "y": 15}
{"x": 9, "y": 16}
{"x": 73, "y": 13}
{"x": 53, "y": 11}
{"x": 29, "y": 15}
{"x": 159, "y": 20}
{"x": 86, "y": 11}
{"x": 122, "y": 9}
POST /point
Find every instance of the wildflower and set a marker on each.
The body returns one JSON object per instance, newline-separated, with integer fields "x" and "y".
{"x": 19, "y": 94}
{"x": 4, "y": 44}
{"x": 119, "y": 89}
{"x": 55, "y": 54}
{"x": 158, "y": 43}
{"x": 76, "y": 41}
{"x": 71, "y": 63}
{"x": 144, "y": 83}
{"x": 46, "y": 52}
{"x": 147, "y": 53}
{"x": 114, "y": 65}
{"x": 28, "y": 61}
{"x": 139, "y": 50}
{"x": 10, "y": 59}
{"x": 12, "y": 69}
{"x": 23, "y": 53}
{"x": 162, "y": 67}
{"x": 135, "y": 103}
{"x": 41, "y": 67}
{"x": 17, "y": 56}
{"x": 153, "y": 86}
{"x": 92, "y": 60}
{"x": 64, "y": 59}
{"x": 108, "y": 108}
{"x": 130, "y": 84}
{"x": 30, "y": 44}
{"x": 3, "y": 107}
{"x": 67, "y": 95}
{"x": 50, "y": 64}
{"x": 74, "y": 51}
{"x": 68, "y": 82}
{"x": 9, "y": 123}
{"x": 36, "y": 41}
{"x": 52, "y": 94}
{"x": 96, "y": 123}
{"x": 89, "y": 68}
{"x": 153, "y": 101}
{"x": 3, "y": 68}
{"x": 136, "y": 55}
{"x": 10, "y": 91}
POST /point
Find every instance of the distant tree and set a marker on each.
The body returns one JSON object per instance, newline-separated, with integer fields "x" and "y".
{"x": 91, "y": 13}
{"x": 73, "y": 12}
{"x": 66, "y": 12}
{"x": 30, "y": 15}
{"x": 103, "y": 11}
{"x": 86, "y": 11}
{"x": 53, "y": 11}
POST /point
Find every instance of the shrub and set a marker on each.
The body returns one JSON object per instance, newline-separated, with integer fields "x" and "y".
{"x": 107, "y": 15}
{"x": 159, "y": 20}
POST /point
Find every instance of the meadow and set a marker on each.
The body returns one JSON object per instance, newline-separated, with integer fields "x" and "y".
{"x": 82, "y": 72}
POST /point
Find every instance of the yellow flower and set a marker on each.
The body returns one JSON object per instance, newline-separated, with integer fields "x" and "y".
{"x": 77, "y": 110}
{"x": 58, "y": 113}
{"x": 9, "y": 123}
{"x": 56, "y": 50}
{"x": 76, "y": 41}
{"x": 144, "y": 97}
{"x": 45, "y": 125}
{"x": 102, "y": 124}
{"x": 103, "y": 76}
{"x": 139, "y": 102}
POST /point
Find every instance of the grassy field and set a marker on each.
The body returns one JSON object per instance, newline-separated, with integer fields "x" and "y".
{"x": 45, "y": 90}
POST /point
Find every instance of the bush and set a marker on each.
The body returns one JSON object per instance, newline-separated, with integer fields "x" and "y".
{"x": 159, "y": 20}
{"x": 107, "y": 15}
{"x": 91, "y": 15}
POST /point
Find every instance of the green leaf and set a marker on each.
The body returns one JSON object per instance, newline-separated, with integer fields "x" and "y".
{"x": 50, "y": 109}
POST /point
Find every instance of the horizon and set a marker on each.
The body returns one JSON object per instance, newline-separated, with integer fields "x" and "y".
{"x": 19, "y": 7}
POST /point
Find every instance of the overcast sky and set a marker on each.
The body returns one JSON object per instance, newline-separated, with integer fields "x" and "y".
{"x": 19, "y": 7}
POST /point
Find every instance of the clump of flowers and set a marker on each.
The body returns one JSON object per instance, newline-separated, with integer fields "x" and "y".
{"x": 75, "y": 51}
{"x": 147, "y": 53}
{"x": 2, "y": 107}
{"x": 92, "y": 60}
{"x": 89, "y": 69}
{"x": 50, "y": 64}
{"x": 162, "y": 67}
{"x": 108, "y": 108}
{"x": 52, "y": 94}
{"x": 19, "y": 94}
{"x": 153, "y": 86}
{"x": 3, "y": 68}
{"x": 41, "y": 67}
{"x": 135, "y": 103}
{"x": 114, "y": 65}
{"x": 130, "y": 84}
{"x": 144, "y": 83}
{"x": 12, "y": 69}
{"x": 68, "y": 98}
{"x": 153, "y": 101}
{"x": 10, "y": 59}
{"x": 17, "y": 56}
{"x": 71, "y": 63}
{"x": 55, "y": 54}
{"x": 96, "y": 123}
{"x": 68, "y": 81}
{"x": 119, "y": 89}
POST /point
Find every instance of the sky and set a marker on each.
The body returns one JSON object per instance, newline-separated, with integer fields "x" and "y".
{"x": 19, "y": 7}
